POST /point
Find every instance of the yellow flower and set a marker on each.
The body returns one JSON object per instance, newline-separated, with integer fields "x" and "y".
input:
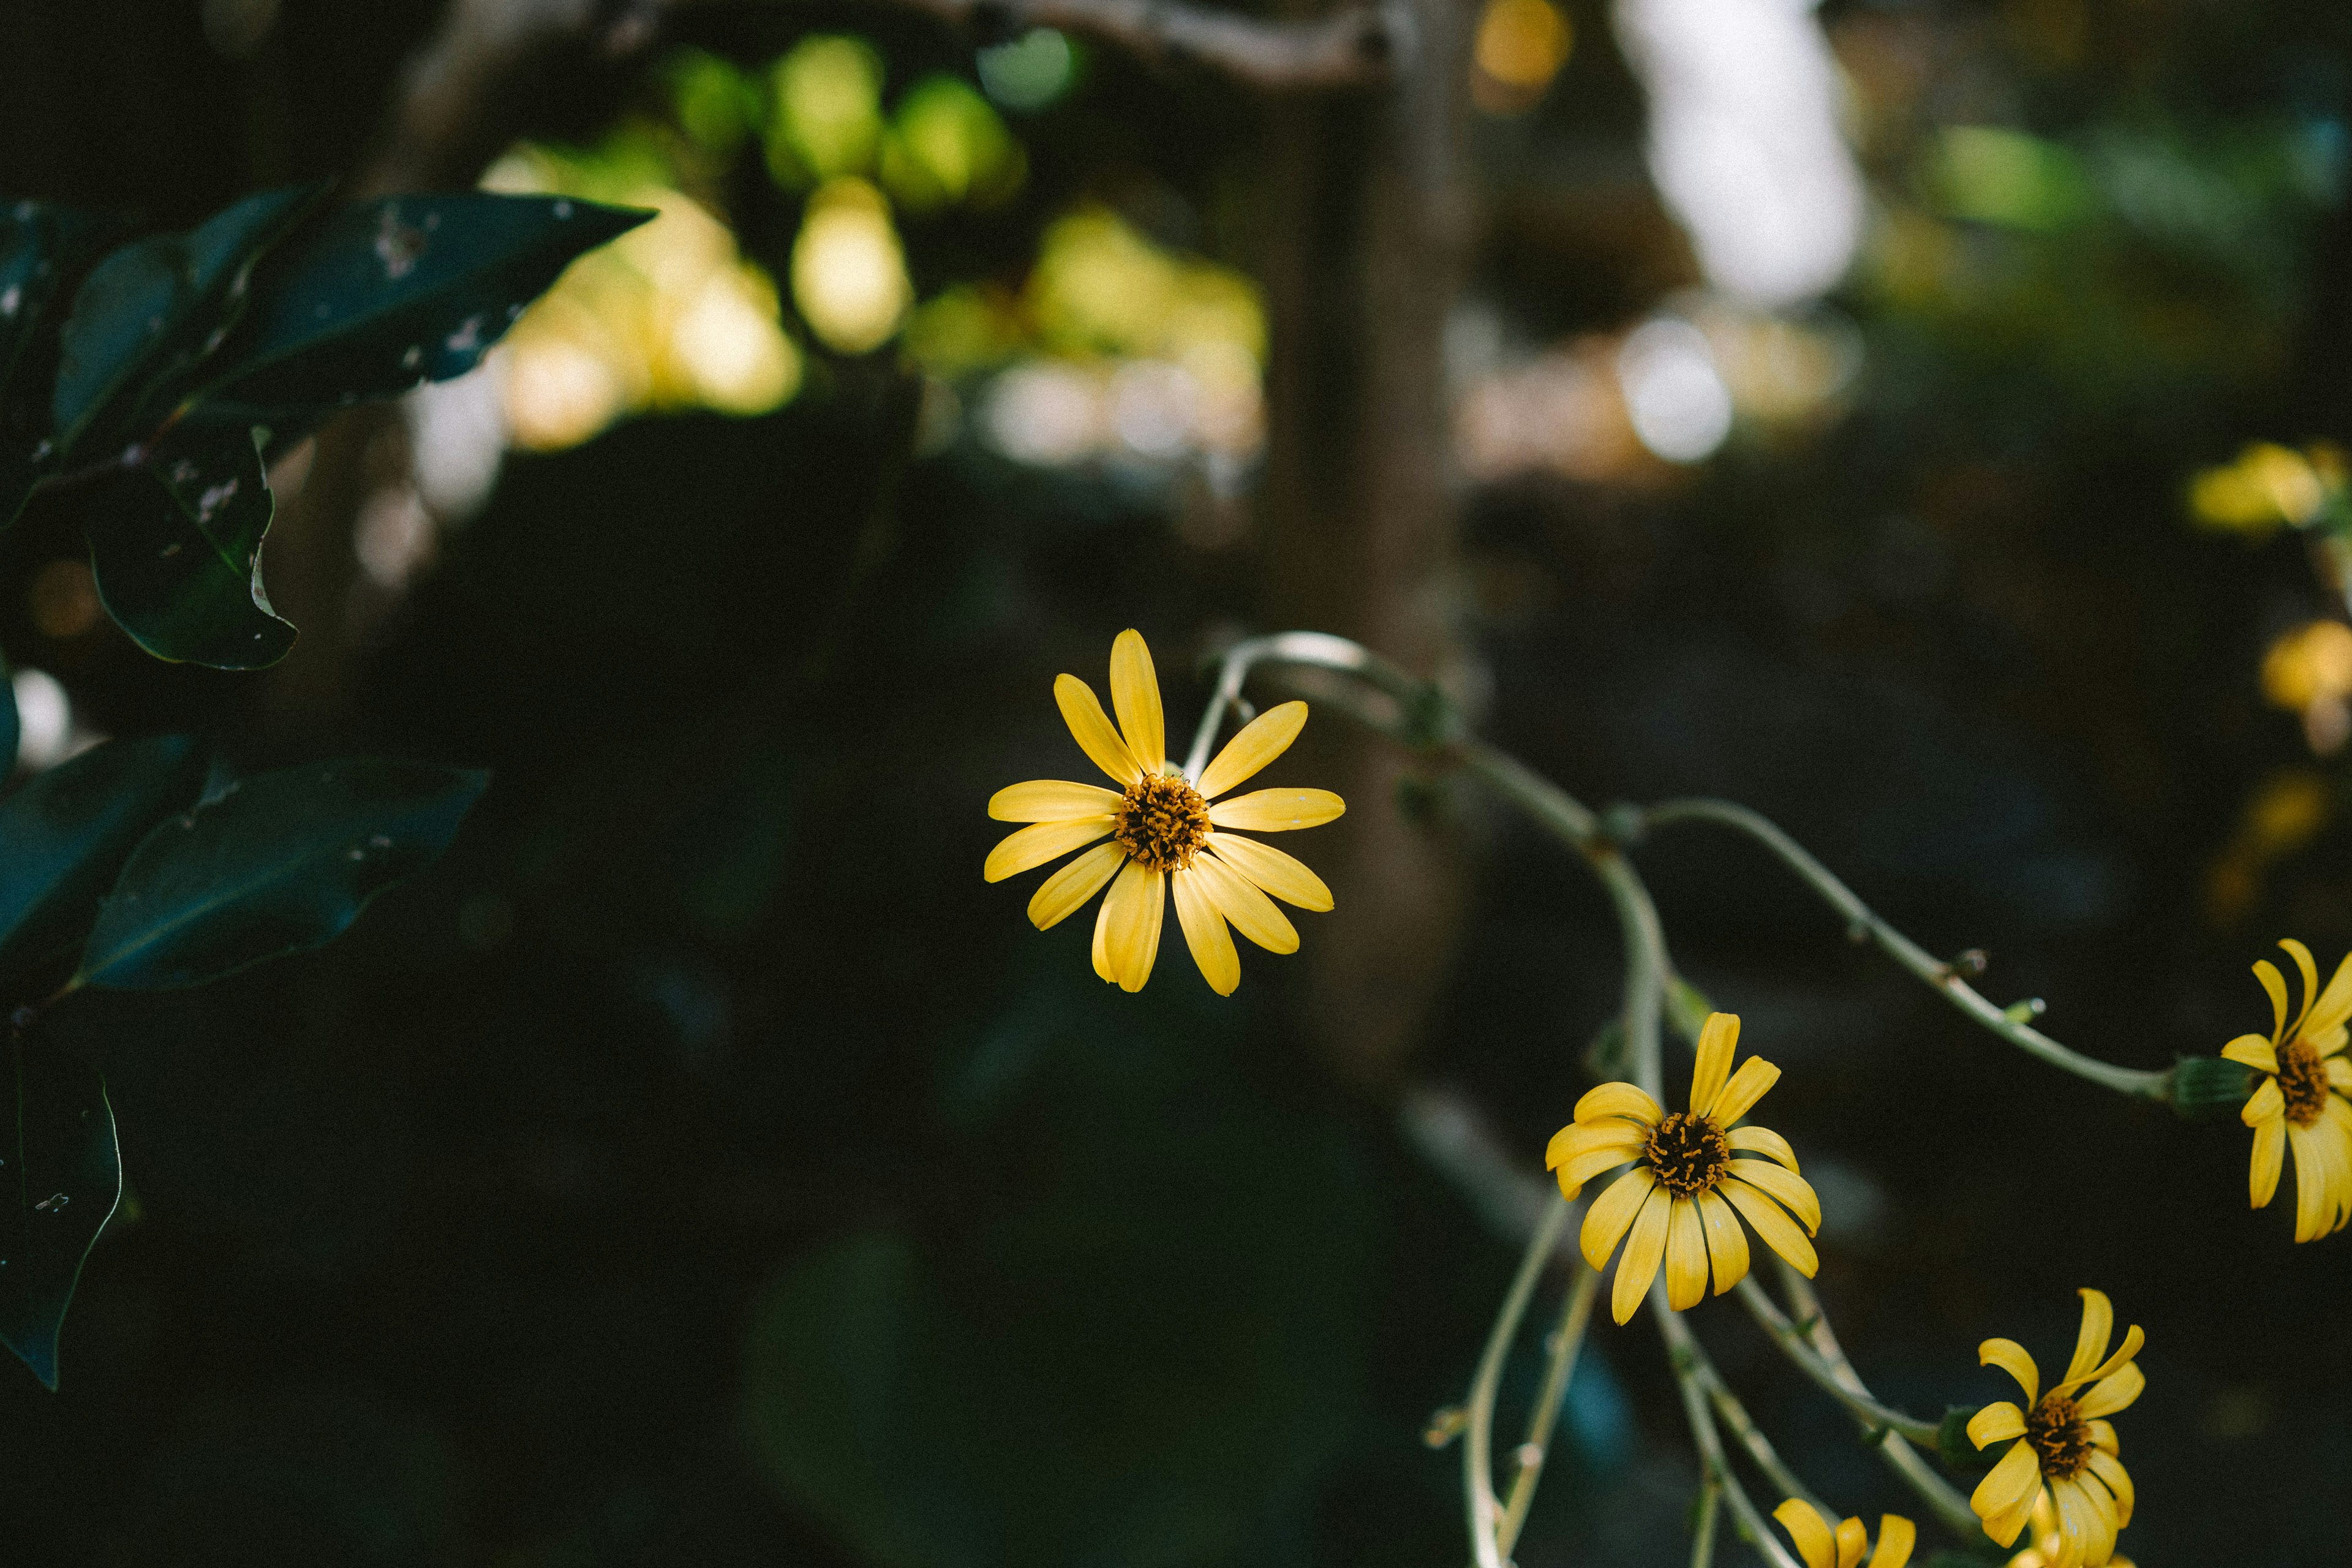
{"x": 2065, "y": 1444}
{"x": 2300, "y": 1103}
{"x": 1163, "y": 832}
{"x": 1822, "y": 1547}
{"x": 2047, "y": 1541}
{"x": 1674, "y": 1200}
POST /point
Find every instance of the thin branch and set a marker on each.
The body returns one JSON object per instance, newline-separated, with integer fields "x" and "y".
{"x": 1354, "y": 47}
{"x": 1872, "y": 1416}
{"x": 1865, "y": 923}
{"x": 1710, "y": 1501}
{"x": 1575, "y": 1316}
{"x": 1485, "y": 1510}
{"x": 1743, "y": 1426}
{"x": 1714, "y": 1467}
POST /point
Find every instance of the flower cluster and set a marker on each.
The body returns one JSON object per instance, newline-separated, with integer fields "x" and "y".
{"x": 2065, "y": 1448}
{"x": 1823, "y": 1547}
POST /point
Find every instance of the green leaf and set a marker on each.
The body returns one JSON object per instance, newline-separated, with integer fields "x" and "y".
{"x": 175, "y": 546}
{"x": 1954, "y": 1446}
{"x": 43, "y": 250}
{"x": 61, "y": 1179}
{"x": 65, "y": 836}
{"x": 150, "y": 313}
{"x": 275, "y": 864}
{"x": 2208, "y": 1089}
{"x": 374, "y": 299}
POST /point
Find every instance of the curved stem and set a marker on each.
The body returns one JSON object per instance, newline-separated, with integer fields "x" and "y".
{"x": 1714, "y": 1468}
{"x": 1865, "y": 923}
{"x": 1575, "y": 1315}
{"x": 1868, "y": 1412}
{"x": 1735, "y": 1415}
{"x": 1710, "y": 1498}
{"x": 1486, "y": 1511}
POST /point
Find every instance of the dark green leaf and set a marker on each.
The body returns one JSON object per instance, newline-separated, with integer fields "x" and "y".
{"x": 65, "y": 836}
{"x": 275, "y": 864}
{"x": 62, "y": 1177}
{"x": 150, "y": 313}
{"x": 175, "y": 546}
{"x": 43, "y": 250}
{"x": 1954, "y": 1446}
{"x": 374, "y": 299}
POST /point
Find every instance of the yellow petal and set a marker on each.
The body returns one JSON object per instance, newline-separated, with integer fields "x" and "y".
{"x": 1259, "y": 742}
{"x": 2275, "y": 984}
{"x": 2335, "y": 1004}
{"x": 1586, "y": 1164}
{"x": 2310, "y": 971}
{"x": 1051, "y": 800}
{"x": 1083, "y": 712}
{"x": 2006, "y": 1494}
{"x": 1685, "y": 1256}
{"x": 2254, "y": 1051}
{"x": 1102, "y": 942}
{"x": 1584, "y": 1137}
{"x": 1278, "y": 810}
{"x": 1136, "y": 905}
{"x": 2113, "y": 1393}
{"x": 2311, "y": 1216}
{"x": 1727, "y": 1244}
{"x": 1747, "y": 1087}
{"x": 1764, "y": 1141}
{"x": 2112, "y": 1474}
{"x": 1205, "y": 934}
{"x": 2266, "y": 1104}
{"x": 1644, "y": 1247}
{"x": 1619, "y": 1100}
{"x": 1771, "y": 1222}
{"x": 1995, "y": 1422}
{"x": 2328, "y": 1042}
{"x": 2091, "y": 1339}
{"x": 1059, "y": 895}
{"x": 1606, "y": 1221}
{"x": 1273, "y": 871}
{"x": 1237, "y": 899}
{"x": 1896, "y": 1537}
{"x": 2134, "y": 1342}
{"x": 2032, "y": 1505}
{"x": 2103, "y": 1436}
{"x": 1809, "y": 1530}
{"x": 2011, "y": 1357}
{"x": 2270, "y": 1158}
{"x": 1135, "y": 697}
{"x": 1717, "y": 1039}
{"x": 2339, "y": 1074}
{"x": 1851, "y": 1539}
{"x": 1795, "y": 1193}
{"x": 2078, "y": 1527}
{"x": 1040, "y": 842}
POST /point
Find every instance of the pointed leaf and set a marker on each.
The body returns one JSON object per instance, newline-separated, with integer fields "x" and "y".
{"x": 374, "y": 299}
{"x": 275, "y": 864}
{"x": 176, "y": 549}
{"x": 60, "y": 1182}
{"x": 44, "y": 251}
{"x": 65, "y": 836}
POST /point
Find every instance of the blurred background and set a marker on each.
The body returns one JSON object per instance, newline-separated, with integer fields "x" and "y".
{"x": 1910, "y": 417}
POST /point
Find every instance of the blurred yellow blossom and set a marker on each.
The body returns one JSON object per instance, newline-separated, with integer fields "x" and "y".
{"x": 849, "y": 275}
{"x": 2268, "y": 485}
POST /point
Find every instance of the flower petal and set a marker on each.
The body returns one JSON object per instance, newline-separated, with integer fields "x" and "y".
{"x": 1135, "y": 697}
{"x": 1136, "y": 905}
{"x": 2275, "y": 984}
{"x": 2254, "y": 1051}
{"x": 2270, "y": 1159}
{"x": 1851, "y": 1539}
{"x": 1278, "y": 810}
{"x": 2103, "y": 1437}
{"x": 1205, "y": 934}
{"x": 2078, "y": 1528}
{"x": 2310, "y": 971}
{"x": 1619, "y": 1100}
{"x": 1771, "y": 1222}
{"x": 2311, "y": 1214}
{"x": 1586, "y": 1164}
{"x": 1257, "y": 744}
{"x": 1995, "y": 1422}
{"x": 1102, "y": 942}
{"x": 1238, "y": 899}
{"x": 1809, "y": 1530}
{"x": 2339, "y": 1074}
{"x": 2011, "y": 1357}
{"x": 1718, "y": 1038}
{"x": 1896, "y": 1537}
{"x": 1794, "y": 1192}
{"x": 2091, "y": 1339}
{"x": 1082, "y": 710}
{"x": 2266, "y": 1104}
{"x": 1685, "y": 1256}
{"x": 1747, "y": 1087}
{"x": 1271, "y": 870}
{"x": 1644, "y": 1247}
{"x": 2134, "y": 1342}
{"x": 1039, "y": 842}
{"x": 2335, "y": 1004}
{"x": 1606, "y": 1221}
{"x": 2006, "y": 1494}
{"x": 1583, "y": 1137}
{"x": 1764, "y": 1141}
{"x": 1060, "y": 895}
{"x": 1727, "y": 1244}
{"x": 2113, "y": 1393}
{"x": 1051, "y": 800}
{"x": 2112, "y": 1474}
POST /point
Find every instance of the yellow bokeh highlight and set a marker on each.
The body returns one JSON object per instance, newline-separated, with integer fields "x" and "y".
{"x": 2268, "y": 485}
{"x": 849, "y": 275}
{"x": 826, "y": 116}
{"x": 946, "y": 147}
{"x": 1522, "y": 43}
{"x": 2309, "y": 664}
{"x": 1100, "y": 287}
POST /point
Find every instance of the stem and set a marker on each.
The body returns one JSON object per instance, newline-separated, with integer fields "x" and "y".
{"x": 1865, "y": 923}
{"x": 1743, "y": 1426}
{"x": 1710, "y": 1496}
{"x": 1868, "y": 1412}
{"x": 1714, "y": 1467}
{"x": 1477, "y": 1447}
{"x": 1575, "y": 1315}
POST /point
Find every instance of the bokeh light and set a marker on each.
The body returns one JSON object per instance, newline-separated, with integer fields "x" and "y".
{"x": 1673, "y": 390}
{"x": 2266, "y": 486}
{"x": 1519, "y": 47}
{"x": 1030, "y": 72}
{"x": 827, "y": 119}
{"x": 849, "y": 275}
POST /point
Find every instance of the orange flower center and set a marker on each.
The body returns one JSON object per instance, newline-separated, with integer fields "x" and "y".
{"x": 1687, "y": 1153}
{"x": 2302, "y": 1082}
{"x": 2060, "y": 1436}
{"x": 1163, "y": 822}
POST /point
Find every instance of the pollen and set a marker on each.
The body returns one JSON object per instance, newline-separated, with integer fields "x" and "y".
{"x": 2302, "y": 1082}
{"x": 1162, "y": 823}
{"x": 1687, "y": 1153}
{"x": 2060, "y": 1436}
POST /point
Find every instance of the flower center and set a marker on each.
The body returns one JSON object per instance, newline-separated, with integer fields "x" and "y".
{"x": 2060, "y": 1436}
{"x": 2302, "y": 1082}
{"x": 1687, "y": 1153}
{"x": 1163, "y": 822}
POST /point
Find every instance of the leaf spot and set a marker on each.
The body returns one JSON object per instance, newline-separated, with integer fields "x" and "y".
{"x": 397, "y": 245}
{"x": 213, "y": 500}
{"x": 412, "y": 358}
{"x": 183, "y": 472}
{"x": 467, "y": 337}
{"x": 562, "y": 209}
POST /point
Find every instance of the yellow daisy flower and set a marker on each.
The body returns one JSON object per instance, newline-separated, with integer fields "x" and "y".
{"x": 1165, "y": 833}
{"x": 2047, "y": 1541}
{"x": 2300, "y": 1104}
{"x": 1678, "y": 1198}
{"x": 1822, "y": 1547}
{"x": 2065, "y": 1446}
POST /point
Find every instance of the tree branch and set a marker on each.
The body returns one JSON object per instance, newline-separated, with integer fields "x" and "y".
{"x": 1355, "y": 46}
